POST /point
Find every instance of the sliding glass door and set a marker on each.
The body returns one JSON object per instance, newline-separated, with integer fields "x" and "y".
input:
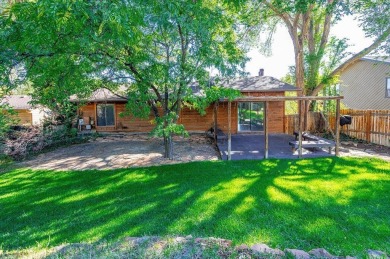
{"x": 105, "y": 115}
{"x": 250, "y": 116}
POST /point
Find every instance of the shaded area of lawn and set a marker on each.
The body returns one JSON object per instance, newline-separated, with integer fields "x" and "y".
{"x": 341, "y": 204}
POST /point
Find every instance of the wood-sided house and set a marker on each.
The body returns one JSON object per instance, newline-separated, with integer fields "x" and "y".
{"x": 103, "y": 110}
{"x": 365, "y": 85}
{"x": 26, "y": 114}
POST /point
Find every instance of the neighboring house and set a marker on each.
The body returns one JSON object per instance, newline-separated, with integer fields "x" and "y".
{"x": 365, "y": 85}
{"x": 26, "y": 113}
{"x": 103, "y": 110}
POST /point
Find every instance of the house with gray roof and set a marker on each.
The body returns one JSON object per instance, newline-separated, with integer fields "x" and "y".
{"x": 26, "y": 114}
{"x": 104, "y": 111}
{"x": 365, "y": 85}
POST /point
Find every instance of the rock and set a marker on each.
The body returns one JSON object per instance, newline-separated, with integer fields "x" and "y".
{"x": 376, "y": 254}
{"x": 198, "y": 240}
{"x": 242, "y": 248}
{"x": 320, "y": 253}
{"x": 142, "y": 240}
{"x": 298, "y": 254}
{"x": 350, "y": 257}
{"x": 189, "y": 237}
{"x": 264, "y": 249}
{"x": 223, "y": 242}
{"x": 131, "y": 239}
{"x": 180, "y": 240}
{"x": 261, "y": 248}
{"x": 212, "y": 241}
{"x": 64, "y": 249}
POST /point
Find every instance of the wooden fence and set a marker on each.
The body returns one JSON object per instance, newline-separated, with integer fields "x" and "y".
{"x": 369, "y": 125}
{"x": 315, "y": 123}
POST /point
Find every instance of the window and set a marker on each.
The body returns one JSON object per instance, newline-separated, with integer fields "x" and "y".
{"x": 388, "y": 87}
{"x": 250, "y": 116}
{"x": 105, "y": 115}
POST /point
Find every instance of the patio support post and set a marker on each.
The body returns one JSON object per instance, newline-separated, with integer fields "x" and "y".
{"x": 266, "y": 130}
{"x": 229, "y": 130}
{"x": 215, "y": 122}
{"x": 300, "y": 122}
{"x": 337, "y": 127}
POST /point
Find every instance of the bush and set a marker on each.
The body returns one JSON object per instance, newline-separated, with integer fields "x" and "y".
{"x": 33, "y": 139}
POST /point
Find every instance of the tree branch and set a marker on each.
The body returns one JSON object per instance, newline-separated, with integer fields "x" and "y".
{"x": 354, "y": 59}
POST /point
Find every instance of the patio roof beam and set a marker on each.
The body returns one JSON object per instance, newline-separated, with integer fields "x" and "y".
{"x": 302, "y": 100}
{"x": 337, "y": 137}
{"x": 266, "y": 130}
{"x": 284, "y": 98}
{"x": 230, "y": 130}
{"x": 300, "y": 122}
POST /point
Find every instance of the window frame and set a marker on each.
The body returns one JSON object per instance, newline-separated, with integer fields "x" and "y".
{"x": 387, "y": 85}
{"x": 97, "y": 115}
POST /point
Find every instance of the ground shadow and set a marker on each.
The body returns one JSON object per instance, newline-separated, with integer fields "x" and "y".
{"x": 337, "y": 203}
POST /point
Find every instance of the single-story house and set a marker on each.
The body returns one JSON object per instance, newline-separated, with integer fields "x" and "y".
{"x": 102, "y": 110}
{"x": 365, "y": 85}
{"x": 26, "y": 113}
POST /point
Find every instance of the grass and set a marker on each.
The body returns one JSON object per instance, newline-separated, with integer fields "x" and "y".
{"x": 340, "y": 204}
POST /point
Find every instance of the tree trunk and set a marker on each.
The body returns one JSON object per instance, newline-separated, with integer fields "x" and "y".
{"x": 168, "y": 145}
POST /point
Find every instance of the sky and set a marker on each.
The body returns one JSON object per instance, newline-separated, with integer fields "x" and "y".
{"x": 282, "y": 55}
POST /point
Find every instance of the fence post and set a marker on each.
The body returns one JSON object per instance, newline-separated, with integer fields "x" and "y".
{"x": 368, "y": 126}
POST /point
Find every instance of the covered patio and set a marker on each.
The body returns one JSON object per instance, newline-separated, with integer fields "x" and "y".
{"x": 252, "y": 146}
{"x": 266, "y": 145}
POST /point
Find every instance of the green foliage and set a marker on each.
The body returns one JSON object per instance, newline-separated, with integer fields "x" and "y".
{"x": 374, "y": 18}
{"x": 210, "y": 95}
{"x": 303, "y": 204}
{"x": 7, "y": 119}
{"x": 319, "y": 66}
{"x": 309, "y": 23}
{"x": 158, "y": 50}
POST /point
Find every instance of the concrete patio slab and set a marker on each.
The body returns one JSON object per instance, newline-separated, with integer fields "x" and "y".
{"x": 251, "y": 146}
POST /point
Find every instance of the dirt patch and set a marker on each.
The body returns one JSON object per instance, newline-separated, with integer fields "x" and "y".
{"x": 121, "y": 151}
{"x": 363, "y": 149}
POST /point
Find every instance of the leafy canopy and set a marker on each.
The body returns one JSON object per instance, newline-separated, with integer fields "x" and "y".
{"x": 157, "y": 49}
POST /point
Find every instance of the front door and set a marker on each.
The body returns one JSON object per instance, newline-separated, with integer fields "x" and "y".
{"x": 250, "y": 116}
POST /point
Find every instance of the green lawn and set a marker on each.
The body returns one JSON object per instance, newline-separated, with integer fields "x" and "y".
{"x": 340, "y": 204}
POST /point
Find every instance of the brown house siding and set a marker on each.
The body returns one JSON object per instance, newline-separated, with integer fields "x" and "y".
{"x": 122, "y": 123}
{"x": 24, "y": 117}
{"x": 191, "y": 119}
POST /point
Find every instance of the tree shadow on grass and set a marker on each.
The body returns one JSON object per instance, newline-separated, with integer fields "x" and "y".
{"x": 339, "y": 204}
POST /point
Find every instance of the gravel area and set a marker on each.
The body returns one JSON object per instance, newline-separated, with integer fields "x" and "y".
{"x": 121, "y": 151}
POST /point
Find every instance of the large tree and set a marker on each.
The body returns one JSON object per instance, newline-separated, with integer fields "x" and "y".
{"x": 309, "y": 24}
{"x": 319, "y": 58}
{"x": 158, "y": 49}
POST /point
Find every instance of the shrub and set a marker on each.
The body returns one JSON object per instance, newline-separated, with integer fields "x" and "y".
{"x": 33, "y": 139}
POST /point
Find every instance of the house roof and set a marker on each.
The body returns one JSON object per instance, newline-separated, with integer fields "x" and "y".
{"x": 247, "y": 84}
{"x": 385, "y": 60}
{"x": 100, "y": 95}
{"x": 19, "y": 102}
{"x": 261, "y": 84}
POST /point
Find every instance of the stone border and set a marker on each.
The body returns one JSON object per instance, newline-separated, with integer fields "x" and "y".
{"x": 179, "y": 247}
